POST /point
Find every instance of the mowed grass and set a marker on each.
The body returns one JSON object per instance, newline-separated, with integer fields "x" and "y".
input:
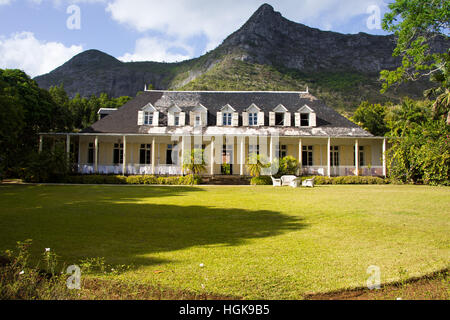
{"x": 254, "y": 242}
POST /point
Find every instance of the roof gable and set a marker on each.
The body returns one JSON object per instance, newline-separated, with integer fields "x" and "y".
{"x": 149, "y": 108}
{"x": 280, "y": 108}
{"x": 306, "y": 109}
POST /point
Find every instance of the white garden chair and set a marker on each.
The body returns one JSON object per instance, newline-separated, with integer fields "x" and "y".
{"x": 277, "y": 182}
{"x": 309, "y": 183}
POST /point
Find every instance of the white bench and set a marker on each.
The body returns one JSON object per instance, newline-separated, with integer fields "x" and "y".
{"x": 291, "y": 181}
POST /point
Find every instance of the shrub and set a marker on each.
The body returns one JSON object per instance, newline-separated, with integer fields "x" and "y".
{"x": 288, "y": 166}
{"x": 261, "y": 181}
{"x": 321, "y": 180}
{"x": 134, "y": 180}
{"x": 20, "y": 281}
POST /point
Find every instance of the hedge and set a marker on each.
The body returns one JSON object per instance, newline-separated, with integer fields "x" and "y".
{"x": 261, "y": 181}
{"x": 134, "y": 180}
{"x": 320, "y": 180}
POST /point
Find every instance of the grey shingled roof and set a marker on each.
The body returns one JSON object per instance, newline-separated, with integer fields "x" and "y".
{"x": 124, "y": 120}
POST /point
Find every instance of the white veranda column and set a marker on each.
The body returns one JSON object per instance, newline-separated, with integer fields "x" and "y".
{"x": 154, "y": 156}
{"x": 96, "y": 155}
{"x": 212, "y": 156}
{"x": 41, "y": 143}
{"x": 384, "y": 158}
{"x": 300, "y": 155}
{"x": 271, "y": 150}
{"x": 329, "y": 156}
{"x": 357, "y": 158}
{"x": 242, "y": 155}
{"x": 124, "y": 168}
{"x": 68, "y": 148}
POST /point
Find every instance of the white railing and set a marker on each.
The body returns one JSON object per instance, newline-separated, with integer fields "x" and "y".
{"x": 314, "y": 171}
{"x": 131, "y": 169}
{"x": 343, "y": 171}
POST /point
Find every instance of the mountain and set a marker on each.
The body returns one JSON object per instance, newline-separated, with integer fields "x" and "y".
{"x": 268, "y": 52}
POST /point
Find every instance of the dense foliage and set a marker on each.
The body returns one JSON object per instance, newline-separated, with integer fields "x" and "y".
{"x": 27, "y": 110}
{"x": 371, "y": 117}
{"x": 416, "y": 23}
{"x": 420, "y": 151}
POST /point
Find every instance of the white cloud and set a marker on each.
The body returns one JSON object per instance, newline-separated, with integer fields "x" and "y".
{"x": 153, "y": 49}
{"x": 4, "y": 2}
{"x": 23, "y": 51}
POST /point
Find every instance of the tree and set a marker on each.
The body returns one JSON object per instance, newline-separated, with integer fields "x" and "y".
{"x": 193, "y": 162}
{"x": 420, "y": 149}
{"x": 25, "y": 111}
{"x": 402, "y": 120}
{"x": 255, "y": 165}
{"x": 371, "y": 118}
{"x": 417, "y": 23}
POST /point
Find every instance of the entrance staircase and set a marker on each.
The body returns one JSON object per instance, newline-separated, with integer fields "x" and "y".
{"x": 226, "y": 181}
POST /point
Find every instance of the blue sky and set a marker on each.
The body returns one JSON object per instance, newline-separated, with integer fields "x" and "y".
{"x": 35, "y": 36}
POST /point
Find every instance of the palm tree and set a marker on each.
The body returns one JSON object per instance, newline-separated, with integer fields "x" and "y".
{"x": 255, "y": 165}
{"x": 194, "y": 163}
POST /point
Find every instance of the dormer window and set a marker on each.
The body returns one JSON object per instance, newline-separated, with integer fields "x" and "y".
{"x": 304, "y": 119}
{"x": 148, "y": 118}
{"x": 199, "y": 116}
{"x": 253, "y": 116}
{"x": 175, "y": 117}
{"x": 253, "y": 119}
{"x": 280, "y": 117}
{"x": 227, "y": 118}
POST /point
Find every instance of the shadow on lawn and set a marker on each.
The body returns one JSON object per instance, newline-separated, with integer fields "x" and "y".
{"x": 116, "y": 226}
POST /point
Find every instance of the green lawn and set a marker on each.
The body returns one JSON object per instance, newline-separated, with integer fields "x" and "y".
{"x": 255, "y": 242}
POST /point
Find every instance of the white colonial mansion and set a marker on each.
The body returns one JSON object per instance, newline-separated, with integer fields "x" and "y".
{"x": 149, "y": 135}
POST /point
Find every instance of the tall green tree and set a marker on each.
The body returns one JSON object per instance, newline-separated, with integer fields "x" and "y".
{"x": 372, "y": 118}
{"x": 25, "y": 111}
{"x": 417, "y": 23}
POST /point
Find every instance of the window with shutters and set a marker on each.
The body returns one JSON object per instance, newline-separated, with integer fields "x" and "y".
{"x": 145, "y": 154}
{"x": 227, "y": 119}
{"x": 279, "y": 119}
{"x": 118, "y": 153}
{"x": 253, "y": 119}
{"x": 304, "y": 120}
{"x": 307, "y": 156}
{"x": 148, "y": 118}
